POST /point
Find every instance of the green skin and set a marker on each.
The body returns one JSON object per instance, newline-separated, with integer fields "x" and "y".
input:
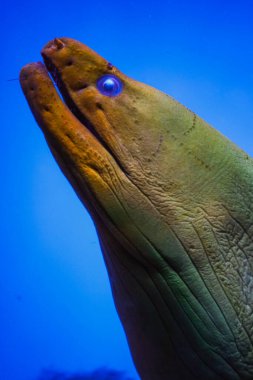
{"x": 171, "y": 199}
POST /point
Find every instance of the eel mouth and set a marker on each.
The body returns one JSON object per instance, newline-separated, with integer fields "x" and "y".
{"x": 72, "y": 122}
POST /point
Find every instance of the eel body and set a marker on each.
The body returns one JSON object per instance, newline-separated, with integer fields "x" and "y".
{"x": 172, "y": 202}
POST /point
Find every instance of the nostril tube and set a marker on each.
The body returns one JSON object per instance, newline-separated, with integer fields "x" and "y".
{"x": 58, "y": 43}
{"x": 53, "y": 46}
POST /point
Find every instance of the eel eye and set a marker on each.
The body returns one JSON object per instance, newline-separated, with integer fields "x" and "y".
{"x": 109, "y": 85}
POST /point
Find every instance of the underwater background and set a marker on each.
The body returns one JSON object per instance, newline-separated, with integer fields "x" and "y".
{"x": 57, "y": 318}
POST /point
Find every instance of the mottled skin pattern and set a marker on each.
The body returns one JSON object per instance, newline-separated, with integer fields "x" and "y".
{"x": 172, "y": 201}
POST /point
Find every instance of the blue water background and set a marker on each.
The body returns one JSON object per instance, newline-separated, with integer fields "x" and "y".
{"x": 56, "y": 306}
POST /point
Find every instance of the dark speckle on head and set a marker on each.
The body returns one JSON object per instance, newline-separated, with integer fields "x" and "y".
{"x": 69, "y": 62}
{"x": 99, "y": 106}
{"x": 109, "y": 66}
{"x": 81, "y": 86}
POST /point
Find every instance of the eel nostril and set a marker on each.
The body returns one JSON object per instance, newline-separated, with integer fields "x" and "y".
{"x": 52, "y": 46}
{"x": 58, "y": 43}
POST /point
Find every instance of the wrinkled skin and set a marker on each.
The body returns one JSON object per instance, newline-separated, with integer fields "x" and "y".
{"x": 172, "y": 201}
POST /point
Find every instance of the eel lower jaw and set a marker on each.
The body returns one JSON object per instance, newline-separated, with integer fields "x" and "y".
{"x": 82, "y": 155}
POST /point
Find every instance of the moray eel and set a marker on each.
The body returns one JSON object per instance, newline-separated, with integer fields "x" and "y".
{"x": 172, "y": 202}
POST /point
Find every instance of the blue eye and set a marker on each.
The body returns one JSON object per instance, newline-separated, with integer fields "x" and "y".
{"x": 109, "y": 85}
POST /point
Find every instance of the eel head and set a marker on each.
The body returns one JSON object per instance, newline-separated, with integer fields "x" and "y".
{"x": 171, "y": 199}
